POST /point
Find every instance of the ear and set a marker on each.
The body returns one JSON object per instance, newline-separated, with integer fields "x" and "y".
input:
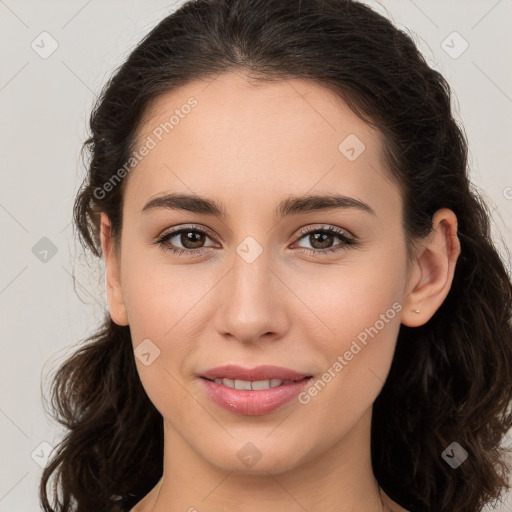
{"x": 431, "y": 277}
{"x": 113, "y": 282}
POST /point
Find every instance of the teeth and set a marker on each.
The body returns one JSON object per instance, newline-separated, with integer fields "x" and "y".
{"x": 248, "y": 384}
{"x": 265, "y": 384}
{"x": 242, "y": 384}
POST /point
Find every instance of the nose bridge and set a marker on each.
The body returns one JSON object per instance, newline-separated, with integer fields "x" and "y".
{"x": 252, "y": 255}
{"x": 251, "y": 274}
{"x": 249, "y": 306}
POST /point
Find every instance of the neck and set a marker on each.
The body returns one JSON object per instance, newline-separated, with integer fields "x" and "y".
{"x": 340, "y": 479}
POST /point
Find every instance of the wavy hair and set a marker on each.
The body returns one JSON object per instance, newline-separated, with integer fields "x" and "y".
{"x": 451, "y": 378}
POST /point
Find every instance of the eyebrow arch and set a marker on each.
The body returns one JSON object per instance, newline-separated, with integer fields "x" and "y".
{"x": 290, "y": 206}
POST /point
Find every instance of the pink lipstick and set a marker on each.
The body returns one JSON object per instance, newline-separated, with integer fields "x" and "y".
{"x": 253, "y": 391}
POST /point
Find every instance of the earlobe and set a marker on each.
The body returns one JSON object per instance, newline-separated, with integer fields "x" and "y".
{"x": 112, "y": 279}
{"x": 434, "y": 268}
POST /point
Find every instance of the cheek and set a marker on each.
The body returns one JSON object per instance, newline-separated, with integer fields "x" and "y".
{"x": 160, "y": 297}
{"x": 353, "y": 320}
{"x": 342, "y": 302}
{"x": 159, "y": 315}
{"x": 166, "y": 312}
{"x": 156, "y": 308}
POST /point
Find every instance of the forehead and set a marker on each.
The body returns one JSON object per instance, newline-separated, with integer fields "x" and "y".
{"x": 238, "y": 138}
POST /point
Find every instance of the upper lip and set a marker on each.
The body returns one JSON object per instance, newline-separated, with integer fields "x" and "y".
{"x": 264, "y": 372}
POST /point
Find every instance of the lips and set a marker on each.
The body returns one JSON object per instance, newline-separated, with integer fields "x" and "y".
{"x": 254, "y": 391}
{"x": 259, "y": 373}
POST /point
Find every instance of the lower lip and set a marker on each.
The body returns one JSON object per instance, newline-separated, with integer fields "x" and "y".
{"x": 253, "y": 402}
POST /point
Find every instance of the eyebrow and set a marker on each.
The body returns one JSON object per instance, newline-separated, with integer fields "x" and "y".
{"x": 290, "y": 206}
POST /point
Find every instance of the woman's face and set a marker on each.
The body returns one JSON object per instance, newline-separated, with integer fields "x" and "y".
{"x": 261, "y": 285}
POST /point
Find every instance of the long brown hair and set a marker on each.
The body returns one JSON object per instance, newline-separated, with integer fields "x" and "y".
{"x": 450, "y": 380}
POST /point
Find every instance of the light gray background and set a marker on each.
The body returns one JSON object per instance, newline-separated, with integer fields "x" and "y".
{"x": 45, "y": 103}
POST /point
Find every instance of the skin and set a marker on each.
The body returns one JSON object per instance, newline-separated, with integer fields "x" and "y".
{"x": 248, "y": 147}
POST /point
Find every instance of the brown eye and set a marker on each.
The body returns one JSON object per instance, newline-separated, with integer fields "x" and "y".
{"x": 191, "y": 239}
{"x": 322, "y": 240}
{"x": 184, "y": 241}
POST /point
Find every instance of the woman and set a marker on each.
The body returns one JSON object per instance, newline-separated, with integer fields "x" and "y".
{"x": 306, "y": 309}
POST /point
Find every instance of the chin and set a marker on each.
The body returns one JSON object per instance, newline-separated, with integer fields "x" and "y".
{"x": 258, "y": 457}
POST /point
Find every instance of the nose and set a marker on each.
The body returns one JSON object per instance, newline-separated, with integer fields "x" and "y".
{"x": 252, "y": 301}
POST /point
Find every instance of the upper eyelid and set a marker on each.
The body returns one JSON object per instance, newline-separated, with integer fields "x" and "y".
{"x": 177, "y": 230}
{"x": 302, "y": 232}
{"x": 325, "y": 227}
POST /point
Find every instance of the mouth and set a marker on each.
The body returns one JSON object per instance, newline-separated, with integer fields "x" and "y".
{"x": 260, "y": 373}
{"x": 255, "y": 385}
{"x": 253, "y": 391}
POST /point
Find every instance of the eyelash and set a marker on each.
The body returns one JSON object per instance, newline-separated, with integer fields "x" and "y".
{"x": 330, "y": 230}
